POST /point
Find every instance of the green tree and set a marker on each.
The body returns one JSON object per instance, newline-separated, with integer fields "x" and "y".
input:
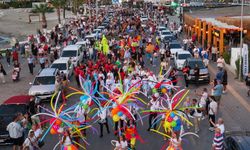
{"x": 43, "y": 9}
{"x": 58, "y": 4}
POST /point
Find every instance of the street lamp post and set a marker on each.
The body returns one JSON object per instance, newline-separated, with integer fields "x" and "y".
{"x": 241, "y": 39}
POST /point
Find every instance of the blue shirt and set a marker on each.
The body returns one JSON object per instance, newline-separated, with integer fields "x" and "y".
{"x": 219, "y": 75}
{"x": 218, "y": 90}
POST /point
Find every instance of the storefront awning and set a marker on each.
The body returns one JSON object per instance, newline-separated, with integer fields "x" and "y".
{"x": 219, "y": 24}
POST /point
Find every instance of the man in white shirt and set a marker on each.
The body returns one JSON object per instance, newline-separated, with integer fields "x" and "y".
{"x": 154, "y": 105}
{"x": 220, "y": 125}
{"x": 220, "y": 62}
{"x": 103, "y": 120}
{"x": 16, "y": 133}
{"x": 212, "y": 111}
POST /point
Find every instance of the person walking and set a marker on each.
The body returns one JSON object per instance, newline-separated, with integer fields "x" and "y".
{"x": 186, "y": 73}
{"x": 154, "y": 105}
{"x": 42, "y": 61}
{"x": 16, "y": 132}
{"x": 220, "y": 62}
{"x": 224, "y": 81}
{"x": 212, "y": 111}
{"x": 2, "y": 73}
{"x": 247, "y": 80}
{"x": 8, "y": 56}
{"x": 31, "y": 63}
{"x": 214, "y": 52}
{"x": 103, "y": 120}
{"x": 197, "y": 114}
{"x": 196, "y": 74}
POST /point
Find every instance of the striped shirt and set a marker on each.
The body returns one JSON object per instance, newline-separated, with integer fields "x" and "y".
{"x": 218, "y": 141}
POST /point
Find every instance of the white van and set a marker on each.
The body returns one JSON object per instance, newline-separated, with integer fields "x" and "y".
{"x": 74, "y": 53}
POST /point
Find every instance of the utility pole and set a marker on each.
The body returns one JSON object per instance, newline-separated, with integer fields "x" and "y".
{"x": 241, "y": 38}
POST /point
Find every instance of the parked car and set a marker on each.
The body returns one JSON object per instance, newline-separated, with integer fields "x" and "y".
{"x": 180, "y": 58}
{"x": 204, "y": 75}
{"x": 74, "y": 53}
{"x": 43, "y": 85}
{"x": 64, "y": 65}
{"x": 8, "y": 110}
{"x": 237, "y": 140}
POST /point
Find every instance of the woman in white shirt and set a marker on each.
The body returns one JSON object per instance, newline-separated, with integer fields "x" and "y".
{"x": 220, "y": 62}
{"x": 175, "y": 143}
{"x": 121, "y": 144}
{"x": 30, "y": 142}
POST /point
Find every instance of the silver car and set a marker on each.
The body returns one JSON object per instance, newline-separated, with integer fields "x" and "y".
{"x": 43, "y": 85}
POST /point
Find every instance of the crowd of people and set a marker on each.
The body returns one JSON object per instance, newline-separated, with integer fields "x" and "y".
{"x": 133, "y": 52}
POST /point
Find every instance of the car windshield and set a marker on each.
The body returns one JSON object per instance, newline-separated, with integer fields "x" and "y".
{"x": 184, "y": 56}
{"x": 165, "y": 33}
{"x": 198, "y": 62}
{"x": 12, "y": 109}
{"x": 61, "y": 66}
{"x": 172, "y": 45}
{"x": 46, "y": 80}
{"x": 160, "y": 29}
{"x": 69, "y": 54}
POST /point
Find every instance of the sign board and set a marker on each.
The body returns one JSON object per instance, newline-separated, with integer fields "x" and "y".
{"x": 235, "y": 53}
{"x": 245, "y": 60}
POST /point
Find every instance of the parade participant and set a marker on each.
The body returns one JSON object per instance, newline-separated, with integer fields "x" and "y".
{"x": 154, "y": 105}
{"x": 67, "y": 141}
{"x": 186, "y": 73}
{"x": 196, "y": 74}
{"x": 218, "y": 89}
{"x": 121, "y": 144}
{"x": 31, "y": 63}
{"x": 2, "y": 73}
{"x": 8, "y": 56}
{"x": 175, "y": 142}
{"x": 103, "y": 120}
{"x": 17, "y": 69}
{"x": 30, "y": 142}
{"x": 197, "y": 114}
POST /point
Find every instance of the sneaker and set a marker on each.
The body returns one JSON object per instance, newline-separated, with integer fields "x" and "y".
{"x": 211, "y": 129}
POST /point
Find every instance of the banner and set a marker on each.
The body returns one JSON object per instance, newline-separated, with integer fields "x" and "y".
{"x": 245, "y": 60}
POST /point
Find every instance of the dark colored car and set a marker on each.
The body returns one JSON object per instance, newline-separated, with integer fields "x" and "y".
{"x": 169, "y": 38}
{"x": 8, "y": 110}
{"x": 204, "y": 75}
{"x": 237, "y": 140}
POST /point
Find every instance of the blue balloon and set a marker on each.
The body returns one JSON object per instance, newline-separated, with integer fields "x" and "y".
{"x": 119, "y": 113}
{"x": 84, "y": 98}
{"x": 178, "y": 122}
{"x": 177, "y": 128}
{"x": 172, "y": 115}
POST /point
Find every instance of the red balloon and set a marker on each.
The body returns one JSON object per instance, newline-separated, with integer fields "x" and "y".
{"x": 158, "y": 85}
{"x": 170, "y": 119}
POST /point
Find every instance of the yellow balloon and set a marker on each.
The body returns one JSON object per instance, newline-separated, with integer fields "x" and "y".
{"x": 166, "y": 125}
{"x": 116, "y": 118}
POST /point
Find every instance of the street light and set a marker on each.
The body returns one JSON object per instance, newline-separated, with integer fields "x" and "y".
{"x": 241, "y": 38}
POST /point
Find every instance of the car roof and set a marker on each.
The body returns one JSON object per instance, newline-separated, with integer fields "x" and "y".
{"x": 18, "y": 99}
{"x": 47, "y": 72}
{"x": 183, "y": 52}
{"x": 71, "y": 47}
{"x": 61, "y": 60}
{"x": 194, "y": 59}
{"x": 81, "y": 43}
{"x": 243, "y": 141}
{"x": 89, "y": 36}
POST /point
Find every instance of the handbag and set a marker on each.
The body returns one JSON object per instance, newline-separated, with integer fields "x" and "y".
{"x": 40, "y": 143}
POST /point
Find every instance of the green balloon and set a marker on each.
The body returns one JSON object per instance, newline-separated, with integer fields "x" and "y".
{"x": 173, "y": 123}
{"x": 154, "y": 90}
{"x": 85, "y": 106}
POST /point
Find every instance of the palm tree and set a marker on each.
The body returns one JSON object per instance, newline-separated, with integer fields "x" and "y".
{"x": 58, "y": 4}
{"x": 43, "y": 9}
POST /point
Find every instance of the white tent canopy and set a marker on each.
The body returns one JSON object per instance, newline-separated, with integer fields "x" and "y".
{"x": 219, "y": 24}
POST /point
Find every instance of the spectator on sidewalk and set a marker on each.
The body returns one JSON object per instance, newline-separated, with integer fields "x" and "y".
{"x": 197, "y": 114}
{"x": 214, "y": 53}
{"x": 220, "y": 74}
{"x": 8, "y": 56}
{"x": 248, "y": 83}
{"x": 218, "y": 89}
{"x": 219, "y": 124}
{"x": 224, "y": 81}
{"x": 212, "y": 111}
{"x": 15, "y": 130}
{"x": 2, "y": 73}
{"x": 220, "y": 62}
{"x": 218, "y": 140}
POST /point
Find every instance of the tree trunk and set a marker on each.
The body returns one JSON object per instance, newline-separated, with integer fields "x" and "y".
{"x": 44, "y": 21}
{"x": 58, "y": 15}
